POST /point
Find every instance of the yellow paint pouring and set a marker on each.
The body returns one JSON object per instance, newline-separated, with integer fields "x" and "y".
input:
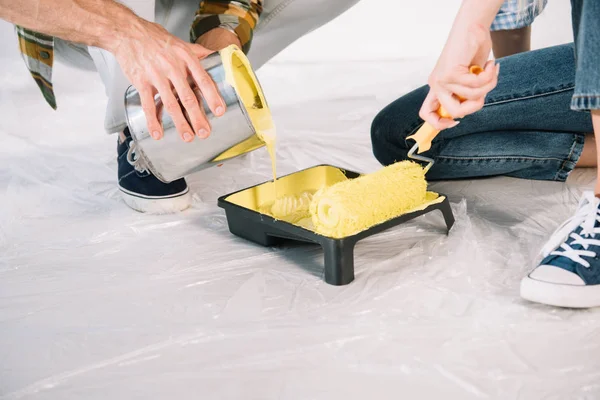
{"x": 239, "y": 74}
{"x": 342, "y": 207}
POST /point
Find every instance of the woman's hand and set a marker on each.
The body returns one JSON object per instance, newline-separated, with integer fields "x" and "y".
{"x": 156, "y": 61}
{"x": 451, "y": 83}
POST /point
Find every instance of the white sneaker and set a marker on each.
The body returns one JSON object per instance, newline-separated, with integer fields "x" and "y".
{"x": 569, "y": 274}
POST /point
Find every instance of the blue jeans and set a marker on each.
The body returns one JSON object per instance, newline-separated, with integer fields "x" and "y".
{"x": 532, "y": 125}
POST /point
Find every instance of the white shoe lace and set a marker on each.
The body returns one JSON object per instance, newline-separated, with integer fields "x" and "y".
{"x": 139, "y": 163}
{"x": 586, "y": 216}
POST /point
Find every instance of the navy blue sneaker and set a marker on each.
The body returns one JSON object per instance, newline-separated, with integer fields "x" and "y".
{"x": 141, "y": 190}
{"x": 569, "y": 274}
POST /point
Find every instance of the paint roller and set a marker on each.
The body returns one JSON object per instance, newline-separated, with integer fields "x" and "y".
{"x": 351, "y": 206}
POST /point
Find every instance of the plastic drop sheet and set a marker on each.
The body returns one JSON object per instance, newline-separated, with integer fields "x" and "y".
{"x": 100, "y": 302}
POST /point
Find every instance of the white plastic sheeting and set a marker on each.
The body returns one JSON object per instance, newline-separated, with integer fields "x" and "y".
{"x": 100, "y": 302}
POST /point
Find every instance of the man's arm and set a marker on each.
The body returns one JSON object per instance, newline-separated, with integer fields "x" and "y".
{"x": 94, "y": 23}
{"x": 151, "y": 58}
{"x": 219, "y": 23}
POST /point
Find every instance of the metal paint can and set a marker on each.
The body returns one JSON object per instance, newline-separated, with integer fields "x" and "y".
{"x": 232, "y": 134}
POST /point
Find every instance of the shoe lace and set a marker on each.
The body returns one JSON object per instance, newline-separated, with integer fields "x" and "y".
{"x": 586, "y": 217}
{"x": 138, "y": 162}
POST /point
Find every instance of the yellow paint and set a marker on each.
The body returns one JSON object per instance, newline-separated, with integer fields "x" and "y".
{"x": 322, "y": 198}
{"x": 250, "y": 144}
{"x": 261, "y": 197}
{"x": 290, "y": 208}
{"x": 239, "y": 74}
{"x": 340, "y": 207}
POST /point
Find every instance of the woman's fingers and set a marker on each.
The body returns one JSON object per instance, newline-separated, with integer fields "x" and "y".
{"x": 469, "y": 93}
{"x": 462, "y": 76}
{"x": 429, "y": 113}
{"x": 450, "y": 104}
{"x": 460, "y": 95}
{"x": 149, "y": 107}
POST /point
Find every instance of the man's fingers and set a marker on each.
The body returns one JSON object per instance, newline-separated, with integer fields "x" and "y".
{"x": 207, "y": 86}
{"x": 188, "y": 99}
{"x": 149, "y": 107}
{"x": 171, "y": 106}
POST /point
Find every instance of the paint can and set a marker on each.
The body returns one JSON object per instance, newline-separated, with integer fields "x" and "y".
{"x": 232, "y": 135}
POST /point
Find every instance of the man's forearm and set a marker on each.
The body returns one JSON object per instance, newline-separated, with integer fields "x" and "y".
{"x": 218, "y": 38}
{"x": 99, "y": 23}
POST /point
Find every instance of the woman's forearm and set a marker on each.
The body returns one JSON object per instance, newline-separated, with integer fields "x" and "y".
{"x": 481, "y": 12}
{"x": 100, "y": 23}
{"x": 452, "y": 84}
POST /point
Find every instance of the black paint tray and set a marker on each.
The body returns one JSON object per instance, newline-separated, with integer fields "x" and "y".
{"x": 244, "y": 220}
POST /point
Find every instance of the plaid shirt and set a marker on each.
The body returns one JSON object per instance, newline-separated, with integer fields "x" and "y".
{"x": 510, "y": 17}
{"x": 238, "y": 16}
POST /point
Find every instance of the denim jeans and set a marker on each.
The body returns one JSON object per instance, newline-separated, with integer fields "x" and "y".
{"x": 532, "y": 125}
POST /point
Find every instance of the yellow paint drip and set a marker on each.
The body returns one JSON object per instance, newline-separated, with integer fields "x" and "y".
{"x": 239, "y": 74}
{"x": 290, "y": 208}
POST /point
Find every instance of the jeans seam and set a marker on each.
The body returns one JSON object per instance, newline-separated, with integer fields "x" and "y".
{"x": 566, "y": 89}
{"x": 563, "y": 167}
{"x": 580, "y": 95}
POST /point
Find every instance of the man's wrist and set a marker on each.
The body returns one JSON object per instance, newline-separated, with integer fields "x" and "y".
{"x": 124, "y": 25}
{"x": 218, "y": 38}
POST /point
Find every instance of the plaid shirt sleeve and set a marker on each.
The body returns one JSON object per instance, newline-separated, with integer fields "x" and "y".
{"x": 37, "y": 51}
{"x": 511, "y": 16}
{"x": 239, "y": 17}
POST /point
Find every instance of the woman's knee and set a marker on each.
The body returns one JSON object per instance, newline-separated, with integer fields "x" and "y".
{"x": 393, "y": 124}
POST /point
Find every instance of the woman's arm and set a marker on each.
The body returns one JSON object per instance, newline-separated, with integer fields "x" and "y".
{"x": 151, "y": 58}
{"x": 468, "y": 43}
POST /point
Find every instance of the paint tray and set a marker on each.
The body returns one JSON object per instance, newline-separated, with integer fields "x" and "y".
{"x": 245, "y": 221}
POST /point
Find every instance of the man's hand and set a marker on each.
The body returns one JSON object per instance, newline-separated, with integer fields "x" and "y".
{"x": 155, "y": 61}
{"x": 152, "y": 59}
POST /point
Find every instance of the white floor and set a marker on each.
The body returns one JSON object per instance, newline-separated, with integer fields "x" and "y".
{"x": 100, "y": 302}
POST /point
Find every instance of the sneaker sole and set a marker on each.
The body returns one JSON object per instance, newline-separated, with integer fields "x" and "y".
{"x": 157, "y": 205}
{"x": 553, "y": 294}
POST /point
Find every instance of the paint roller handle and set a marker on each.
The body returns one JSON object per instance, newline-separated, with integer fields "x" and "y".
{"x": 427, "y": 132}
